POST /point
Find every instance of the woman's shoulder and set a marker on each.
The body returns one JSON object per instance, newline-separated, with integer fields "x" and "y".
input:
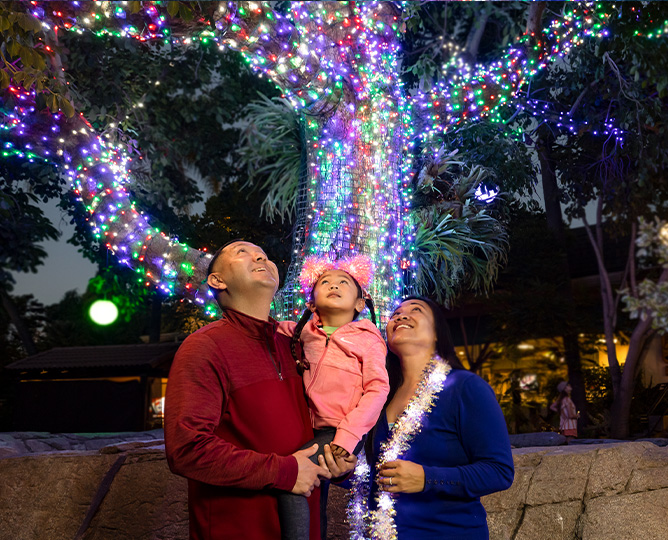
{"x": 468, "y": 382}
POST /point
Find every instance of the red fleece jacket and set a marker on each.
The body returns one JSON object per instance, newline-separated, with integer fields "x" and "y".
{"x": 234, "y": 412}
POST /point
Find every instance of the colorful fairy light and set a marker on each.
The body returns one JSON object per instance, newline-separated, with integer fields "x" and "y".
{"x": 337, "y": 63}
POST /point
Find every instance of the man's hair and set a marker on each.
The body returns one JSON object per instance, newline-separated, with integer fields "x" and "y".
{"x": 209, "y": 270}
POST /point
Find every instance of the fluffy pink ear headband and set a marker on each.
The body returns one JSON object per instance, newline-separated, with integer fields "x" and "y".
{"x": 359, "y": 266}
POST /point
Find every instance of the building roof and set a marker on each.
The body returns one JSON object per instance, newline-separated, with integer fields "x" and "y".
{"x": 104, "y": 356}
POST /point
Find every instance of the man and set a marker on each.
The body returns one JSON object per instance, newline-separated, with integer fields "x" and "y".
{"x": 235, "y": 412}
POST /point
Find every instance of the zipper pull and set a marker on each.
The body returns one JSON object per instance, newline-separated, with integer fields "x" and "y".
{"x": 327, "y": 341}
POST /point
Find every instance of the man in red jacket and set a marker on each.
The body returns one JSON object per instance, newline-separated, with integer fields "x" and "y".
{"x": 235, "y": 412}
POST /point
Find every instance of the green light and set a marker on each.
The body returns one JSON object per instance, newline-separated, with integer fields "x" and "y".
{"x": 103, "y": 312}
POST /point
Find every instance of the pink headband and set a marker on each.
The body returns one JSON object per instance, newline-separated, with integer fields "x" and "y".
{"x": 359, "y": 266}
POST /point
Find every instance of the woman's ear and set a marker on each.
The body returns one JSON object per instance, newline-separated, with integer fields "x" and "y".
{"x": 215, "y": 282}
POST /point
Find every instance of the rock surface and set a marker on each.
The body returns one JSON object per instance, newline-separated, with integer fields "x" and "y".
{"x": 583, "y": 492}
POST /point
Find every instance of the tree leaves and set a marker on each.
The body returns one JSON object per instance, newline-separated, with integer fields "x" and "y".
{"x": 24, "y": 39}
{"x": 459, "y": 243}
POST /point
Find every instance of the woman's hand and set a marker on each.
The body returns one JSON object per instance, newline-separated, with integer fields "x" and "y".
{"x": 401, "y": 477}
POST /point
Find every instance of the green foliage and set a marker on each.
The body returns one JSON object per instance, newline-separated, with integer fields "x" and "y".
{"x": 503, "y": 154}
{"x": 459, "y": 242}
{"x": 272, "y": 151}
{"x": 35, "y": 320}
{"x": 179, "y": 107}
{"x": 621, "y": 80}
{"x": 27, "y": 50}
{"x": 23, "y": 224}
{"x": 120, "y": 287}
{"x": 68, "y": 324}
{"x": 650, "y": 299}
{"x": 235, "y": 213}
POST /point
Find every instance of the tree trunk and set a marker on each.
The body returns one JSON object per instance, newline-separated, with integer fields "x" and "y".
{"x": 535, "y": 16}
{"x": 17, "y": 321}
{"x": 556, "y": 225}
{"x": 475, "y": 35}
{"x": 621, "y": 406}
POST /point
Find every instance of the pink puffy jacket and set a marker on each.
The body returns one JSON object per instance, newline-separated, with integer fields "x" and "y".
{"x": 347, "y": 383}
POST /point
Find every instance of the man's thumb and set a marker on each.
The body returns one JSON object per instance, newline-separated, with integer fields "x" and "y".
{"x": 312, "y": 450}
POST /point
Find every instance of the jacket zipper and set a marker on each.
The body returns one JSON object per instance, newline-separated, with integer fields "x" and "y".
{"x": 315, "y": 374}
{"x": 277, "y": 365}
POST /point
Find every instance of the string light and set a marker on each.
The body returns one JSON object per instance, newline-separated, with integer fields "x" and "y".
{"x": 338, "y": 64}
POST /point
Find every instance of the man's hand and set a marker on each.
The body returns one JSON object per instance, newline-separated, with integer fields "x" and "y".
{"x": 338, "y": 465}
{"x": 401, "y": 476}
{"x": 308, "y": 472}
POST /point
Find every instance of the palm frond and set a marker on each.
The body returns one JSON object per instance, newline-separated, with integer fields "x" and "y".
{"x": 271, "y": 150}
{"x": 459, "y": 243}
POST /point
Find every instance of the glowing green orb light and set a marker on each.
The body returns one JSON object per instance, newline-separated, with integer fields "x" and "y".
{"x": 103, "y": 312}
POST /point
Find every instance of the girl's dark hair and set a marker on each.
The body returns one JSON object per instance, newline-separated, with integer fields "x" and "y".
{"x": 444, "y": 347}
{"x": 302, "y": 362}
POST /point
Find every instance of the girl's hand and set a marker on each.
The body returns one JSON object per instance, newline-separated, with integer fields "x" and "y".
{"x": 338, "y": 466}
{"x": 337, "y": 451}
{"x": 401, "y": 477}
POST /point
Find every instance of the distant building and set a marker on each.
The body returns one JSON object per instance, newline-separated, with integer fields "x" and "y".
{"x": 92, "y": 389}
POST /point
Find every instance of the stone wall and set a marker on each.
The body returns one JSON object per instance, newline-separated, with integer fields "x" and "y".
{"x": 587, "y": 492}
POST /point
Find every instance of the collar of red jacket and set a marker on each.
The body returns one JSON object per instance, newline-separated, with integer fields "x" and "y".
{"x": 250, "y": 326}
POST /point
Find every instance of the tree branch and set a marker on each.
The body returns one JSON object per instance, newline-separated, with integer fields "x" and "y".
{"x": 475, "y": 35}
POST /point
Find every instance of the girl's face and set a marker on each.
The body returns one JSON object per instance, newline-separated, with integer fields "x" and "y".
{"x": 336, "y": 291}
{"x": 412, "y": 323}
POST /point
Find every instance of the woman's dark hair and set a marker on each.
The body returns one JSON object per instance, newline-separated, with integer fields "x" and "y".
{"x": 444, "y": 347}
{"x": 302, "y": 362}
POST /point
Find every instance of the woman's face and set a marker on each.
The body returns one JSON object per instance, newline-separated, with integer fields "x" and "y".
{"x": 412, "y": 323}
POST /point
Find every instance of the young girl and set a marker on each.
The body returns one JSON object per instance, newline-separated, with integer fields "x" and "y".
{"x": 568, "y": 414}
{"x": 343, "y": 366}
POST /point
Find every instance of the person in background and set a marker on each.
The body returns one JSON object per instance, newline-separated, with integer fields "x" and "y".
{"x": 568, "y": 413}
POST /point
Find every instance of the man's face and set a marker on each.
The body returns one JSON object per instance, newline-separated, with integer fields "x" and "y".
{"x": 243, "y": 267}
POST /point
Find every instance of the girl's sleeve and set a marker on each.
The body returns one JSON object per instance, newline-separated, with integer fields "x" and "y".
{"x": 484, "y": 436}
{"x": 287, "y": 328}
{"x": 376, "y": 386}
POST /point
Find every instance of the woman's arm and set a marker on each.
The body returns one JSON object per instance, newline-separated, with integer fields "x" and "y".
{"x": 484, "y": 436}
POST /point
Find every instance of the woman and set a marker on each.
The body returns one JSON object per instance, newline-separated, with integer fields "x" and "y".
{"x": 440, "y": 444}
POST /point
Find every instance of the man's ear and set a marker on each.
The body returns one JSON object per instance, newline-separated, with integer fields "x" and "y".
{"x": 359, "y": 305}
{"x": 214, "y": 281}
